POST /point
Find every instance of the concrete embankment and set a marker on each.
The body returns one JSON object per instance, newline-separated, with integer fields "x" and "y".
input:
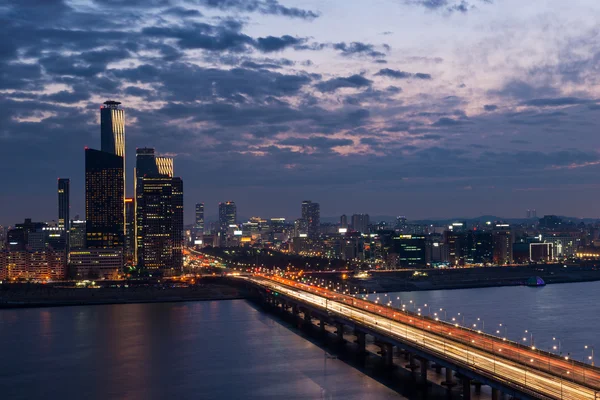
{"x": 31, "y": 295}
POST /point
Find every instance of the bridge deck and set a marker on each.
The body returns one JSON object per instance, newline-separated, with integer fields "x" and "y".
{"x": 533, "y": 370}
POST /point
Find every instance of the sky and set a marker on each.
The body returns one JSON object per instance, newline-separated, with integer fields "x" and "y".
{"x": 422, "y": 108}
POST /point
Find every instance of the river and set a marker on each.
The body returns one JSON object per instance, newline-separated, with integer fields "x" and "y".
{"x": 196, "y": 350}
{"x": 231, "y": 350}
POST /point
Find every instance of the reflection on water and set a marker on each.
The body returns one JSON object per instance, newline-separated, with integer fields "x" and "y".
{"x": 202, "y": 350}
{"x": 567, "y": 312}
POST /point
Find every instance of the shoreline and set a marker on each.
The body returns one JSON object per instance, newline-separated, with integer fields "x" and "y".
{"x": 75, "y": 303}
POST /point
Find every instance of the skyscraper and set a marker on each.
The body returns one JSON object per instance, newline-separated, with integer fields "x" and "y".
{"x": 112, "y": 136}
{"x": 112, "y": 127}
{"x": 63, "y": 204}
{"x": 311, "y": 214}
{"x": 159, "y": 214}
{"x": 199, "y": 217}
{"x": 360, "y": 223}
{"x": 343, "y": 221}
{"x": 104, "y": 202}
{"x": 129, "y": 230}
{"x": 227, "y": 215}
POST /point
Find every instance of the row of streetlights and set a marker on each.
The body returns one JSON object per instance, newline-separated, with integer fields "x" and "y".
{"x": 346, "y": 289}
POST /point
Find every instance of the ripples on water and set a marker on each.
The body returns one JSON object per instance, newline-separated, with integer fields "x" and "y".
{"x": 200, "y": 350}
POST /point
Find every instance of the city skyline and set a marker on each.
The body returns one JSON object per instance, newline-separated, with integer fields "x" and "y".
{"x": 485, "y": 113}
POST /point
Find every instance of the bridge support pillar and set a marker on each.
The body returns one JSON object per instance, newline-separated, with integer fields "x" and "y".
{"x": 339, "y": 332}
{"x": 387, "y": 351}
{"x": 449, "y": 382}
{"x": 495, "y": 394}
{"x": 424, "y": 367}
{"x": 307, "y": 318}
{"x": 466, "y": 384}
{"x": 477, "y": 387}
{"x": 438, "y": 368}
{"x": 295, "y": 311}
{"x": 322, "y": 325}
{"x": 411, "y": 362}
{"x": 361, "y": 341}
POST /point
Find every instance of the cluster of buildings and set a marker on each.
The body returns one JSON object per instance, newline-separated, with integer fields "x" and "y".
{"x": 145, "y": 231}
{"x": 401, "y": 244}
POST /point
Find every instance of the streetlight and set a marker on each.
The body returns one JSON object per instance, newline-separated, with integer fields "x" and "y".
{"x": 554, "y": 347}
{"x": 445, "y": 313}
{"x": 592, "y": 356}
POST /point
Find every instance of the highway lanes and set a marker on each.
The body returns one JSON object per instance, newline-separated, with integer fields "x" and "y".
{"x": 442, "y": 342}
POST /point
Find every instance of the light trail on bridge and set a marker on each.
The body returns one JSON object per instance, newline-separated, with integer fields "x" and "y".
{"x": 539, "y": 372}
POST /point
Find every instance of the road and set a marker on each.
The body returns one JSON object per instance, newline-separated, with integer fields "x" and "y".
{"x": 537, "y": 371}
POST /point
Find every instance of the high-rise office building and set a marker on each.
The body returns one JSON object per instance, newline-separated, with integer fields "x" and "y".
{"x": 159, "y": 214}
{"x": 129, "y": 230}
{"x": 63, "y": 204}
{"x": 199, "y": 218}
{"x": 360, "y": 223}
{"x": 503, "y": 244}
{"x": 311, "y": 213}
{"x": 227, "y": 215}
{"x": 112, "y": 127}
{"x": 77, "y": 235}
{"x": 104, "y": 202}
{"x": 112, "y": 137}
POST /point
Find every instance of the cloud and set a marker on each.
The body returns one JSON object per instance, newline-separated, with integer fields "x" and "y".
{"x": 357, "y": 48}
{"x": 271, "y": 43}
{"x": 271, "y": 7}
{"x": 354, "y": 81}
{"x": 448, "y": 122}
{"x": 183, "y": 12}
{"x": 556, "y": 102}
{"x": 448, "y": 6}
{"x": 396, "y": 74}
{"x": 490, "y": 107}
{"x": 321, "y": 142}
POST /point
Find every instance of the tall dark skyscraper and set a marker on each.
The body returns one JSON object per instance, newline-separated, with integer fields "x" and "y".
{"x": 112, "y": 135}
{"x": 104, "y": 202}
{"x": 311, "y": 214}
{"x": 227, "y": 215}
{"x": 159, "y": 214}
{"x": 199, "y": 217}
{"x": 63, "y": 204}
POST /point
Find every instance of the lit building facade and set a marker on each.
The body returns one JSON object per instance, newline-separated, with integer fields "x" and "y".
{"x": 503, "y": 245}
{"x": 112, "y": 137}
{"x": 96, "y": 263}
{"x": 227, "y": 215}
{"x": 77, "y": 235}
{"x": 311, "y": 214}
{"x": 63, "y": 204}
{"x": 104, "y": 202}
{"x": 159, "y": 215}
{"x": 129, "y": 230}
{"x": 199, "y": 225}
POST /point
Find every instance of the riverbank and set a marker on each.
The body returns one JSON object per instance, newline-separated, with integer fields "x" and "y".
{"x": 468, "y": 278}
{"x": 38, "y": 295}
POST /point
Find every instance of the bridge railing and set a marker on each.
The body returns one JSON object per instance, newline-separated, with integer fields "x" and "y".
{"x": 569, "y": 369}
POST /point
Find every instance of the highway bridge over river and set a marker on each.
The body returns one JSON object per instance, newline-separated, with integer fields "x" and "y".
{"x": 507, "y": 367}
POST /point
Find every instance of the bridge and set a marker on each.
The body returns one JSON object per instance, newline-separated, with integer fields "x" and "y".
{"x": 508, "y": 367}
